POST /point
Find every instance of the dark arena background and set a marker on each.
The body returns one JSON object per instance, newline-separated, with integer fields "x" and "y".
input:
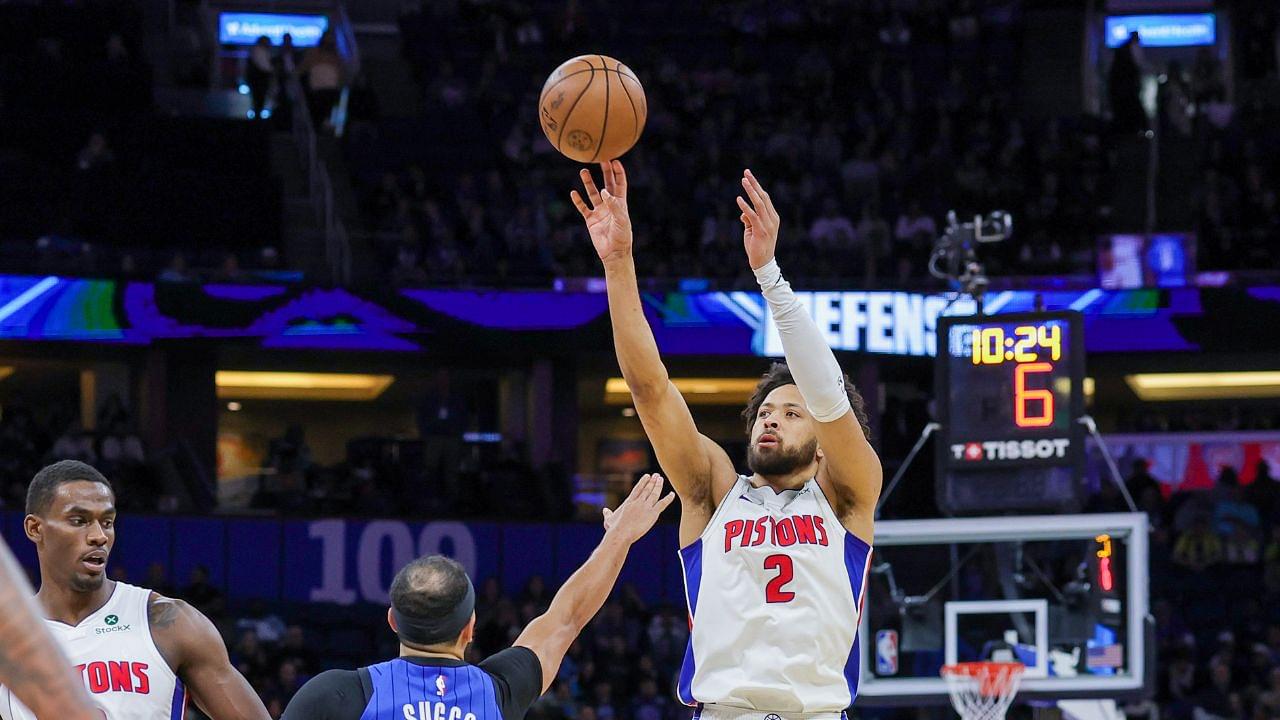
{"x": 319, "y": 310}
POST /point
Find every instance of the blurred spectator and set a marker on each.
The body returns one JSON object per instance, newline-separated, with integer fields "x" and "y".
{"x": 1198, "y": 547}
{"x": 1124, "y": 85}
{"x": 74, "y": 444}
{"x": 96, "y": 155}
{"x": 293, "y": 649}
{"x": 202, "y": 595}
{"x": 1140, "y": 479}
{"x": 1264, "y": 493}
{"x": 158, "y": 580}
{"x": 324, "y": 73}
{"x": 408, "y": 272}
{"x": 1271, "y": 564}
{"x": 1217, "y": 701}
{"x": 176, "y": 270}
{"x": 830, "y": 227}
{"x": 258, "y": 73}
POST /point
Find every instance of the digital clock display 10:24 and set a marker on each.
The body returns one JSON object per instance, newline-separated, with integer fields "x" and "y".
{"x": 1009, "y": 375}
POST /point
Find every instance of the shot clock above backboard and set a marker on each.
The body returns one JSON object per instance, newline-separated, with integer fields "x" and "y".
{"x": 1010, "y": 392}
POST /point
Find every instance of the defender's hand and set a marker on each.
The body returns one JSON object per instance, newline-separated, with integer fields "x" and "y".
{"x": 637, "y": 514}
{"x": 608, "y": 220}
{"x": 759, "y": 222}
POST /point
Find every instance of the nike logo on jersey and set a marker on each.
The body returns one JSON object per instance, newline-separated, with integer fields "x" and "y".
{"x": 790, "y": 530}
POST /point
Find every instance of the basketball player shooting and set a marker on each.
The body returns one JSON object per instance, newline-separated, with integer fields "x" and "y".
{"x": 138, "y": 653}
{"x": 30, "y": 662}
{"x": 775, "y": 563}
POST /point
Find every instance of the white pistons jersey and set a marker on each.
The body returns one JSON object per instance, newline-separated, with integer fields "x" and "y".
{"x": 775, "y": 586}
{"x": 120, "y": 665}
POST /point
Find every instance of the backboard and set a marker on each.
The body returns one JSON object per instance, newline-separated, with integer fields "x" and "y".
{"x": 1066, "y": 595}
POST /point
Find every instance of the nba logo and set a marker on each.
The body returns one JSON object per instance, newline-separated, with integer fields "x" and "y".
{"x": 887, "y": 652}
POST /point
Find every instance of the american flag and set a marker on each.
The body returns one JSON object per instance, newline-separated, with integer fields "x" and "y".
{"x": 1106, "y": 656}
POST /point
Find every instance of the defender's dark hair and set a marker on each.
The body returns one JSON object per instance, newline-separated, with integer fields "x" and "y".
{"x": 51, "y": 477}
{"x": 429, "y": 587}
{"x": 779, "y": 374}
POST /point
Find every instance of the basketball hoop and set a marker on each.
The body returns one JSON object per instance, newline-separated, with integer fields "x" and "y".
{"x": 982, "y": 690}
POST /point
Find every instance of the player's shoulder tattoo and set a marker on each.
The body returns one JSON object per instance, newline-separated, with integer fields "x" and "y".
{"x": 163, "y": 612}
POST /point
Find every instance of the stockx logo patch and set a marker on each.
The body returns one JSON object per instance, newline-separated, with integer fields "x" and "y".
{"x": 112, "y": 623}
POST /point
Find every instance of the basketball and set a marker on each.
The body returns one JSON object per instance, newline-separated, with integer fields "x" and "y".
{"x": 592, "y": 108}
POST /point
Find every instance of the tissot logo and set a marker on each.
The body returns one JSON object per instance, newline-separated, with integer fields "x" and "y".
{"x": 1011, "y": 450}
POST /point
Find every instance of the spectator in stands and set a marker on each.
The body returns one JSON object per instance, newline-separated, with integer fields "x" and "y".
{"x": 1240, "y": 545}
{"x": 295, "y": 650}
{"x": 1264, "y": 493}
{"x": 176, "y": 270}
{"x": 1269, "y": 699}
{"x": 1124, "y": 82}
{"x": 1271, "y": 564}
{"x": 74, "y": 444}
{"x": 1140, "y": 479}
{"x": 258, "y": 73}
{"x": 914, "y": 227}
{"x": 229, "y": 271}
{"x": 831, "y": 226}
{"x": 250, "y": 658}
{"x": 202, "y": 595}
{"x": 408, "y": 271}
{"x": 324, "y": 73}
{"x": 158, "y": 579}
{"x": 96, "y": 156}
{"x": 1217, "y": 701}
{"x": 1199, "y": 547}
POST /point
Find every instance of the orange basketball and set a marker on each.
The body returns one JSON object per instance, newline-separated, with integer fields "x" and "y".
{"x": 592, "y": 108}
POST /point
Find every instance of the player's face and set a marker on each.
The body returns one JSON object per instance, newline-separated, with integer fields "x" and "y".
{"x": 782, "y": 438}
{"x": 74, "y": 537}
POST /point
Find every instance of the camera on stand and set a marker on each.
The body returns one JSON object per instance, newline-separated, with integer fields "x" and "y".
{"x": 955, "y": 256}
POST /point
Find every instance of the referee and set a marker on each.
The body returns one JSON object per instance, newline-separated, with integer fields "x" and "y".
{"x": 433, "y": 614}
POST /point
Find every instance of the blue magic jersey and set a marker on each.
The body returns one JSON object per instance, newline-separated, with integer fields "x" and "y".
{"x": 406, "y": 691}
{"x": 501, "y": 687}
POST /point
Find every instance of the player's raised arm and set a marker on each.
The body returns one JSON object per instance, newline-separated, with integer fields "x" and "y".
{"x": 849, "y": 465}
{"x": 579, "y": 599}
{"x": 31, "y": 666}
{"x": 698, "y": 468}
{"x": 196, "y": 653}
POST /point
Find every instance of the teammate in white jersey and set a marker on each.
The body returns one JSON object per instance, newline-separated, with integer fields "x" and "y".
{"x": 138, "y": 653}
{"x": 775, "y": 563}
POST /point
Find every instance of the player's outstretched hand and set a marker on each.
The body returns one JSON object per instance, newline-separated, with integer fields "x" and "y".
{"x": 607, "y": 218}
{"x": 637, "y": 514}
{"x": 759, "y": 222}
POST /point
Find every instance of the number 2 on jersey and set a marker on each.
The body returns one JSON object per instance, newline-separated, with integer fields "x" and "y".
{"x": 773, "y": 592}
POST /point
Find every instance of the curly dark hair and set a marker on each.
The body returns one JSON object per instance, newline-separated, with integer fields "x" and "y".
{"x": 779, "y": 374}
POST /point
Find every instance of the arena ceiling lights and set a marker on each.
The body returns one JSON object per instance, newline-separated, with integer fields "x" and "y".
{"x": 696, "y": 391}
{"x": 253, "y": 385}
{"x": 1205, "y": 385}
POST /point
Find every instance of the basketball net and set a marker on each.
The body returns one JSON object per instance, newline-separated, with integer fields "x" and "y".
{"x": 982, "y": 690}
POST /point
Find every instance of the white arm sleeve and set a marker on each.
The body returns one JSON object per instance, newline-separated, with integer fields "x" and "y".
{"x": 812, "y": 364}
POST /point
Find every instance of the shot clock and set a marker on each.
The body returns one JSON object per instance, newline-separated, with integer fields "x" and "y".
{"x": 1010, "y": 391}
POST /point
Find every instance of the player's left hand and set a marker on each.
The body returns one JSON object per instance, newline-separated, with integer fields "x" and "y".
{"x": 759, "y": 222}
{"x": 638, "y": 513}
